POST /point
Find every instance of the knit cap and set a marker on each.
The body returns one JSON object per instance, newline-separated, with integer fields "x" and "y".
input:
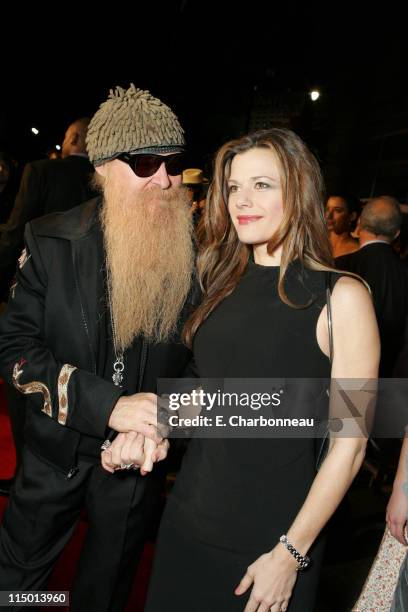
{"x": 132, "y": 121}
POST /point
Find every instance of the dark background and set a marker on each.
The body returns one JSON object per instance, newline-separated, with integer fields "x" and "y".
{"x": 225, "y": 69}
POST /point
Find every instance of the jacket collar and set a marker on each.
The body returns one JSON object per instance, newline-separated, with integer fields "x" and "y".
{"x": 73, "y": 224}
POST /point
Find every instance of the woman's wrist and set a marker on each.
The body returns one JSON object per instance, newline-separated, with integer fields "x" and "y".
{"x": 301, "y": 560}
{"x": 284, "y": 557}
{"x": 300, "y": 540}
{"x": 399, "y": 481}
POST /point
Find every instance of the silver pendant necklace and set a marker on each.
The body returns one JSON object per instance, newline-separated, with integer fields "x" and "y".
{"x": 119, "y": 363}
{"x": 118, "y": 369}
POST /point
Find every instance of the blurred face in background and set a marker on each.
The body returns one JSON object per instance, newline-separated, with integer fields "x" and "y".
{"x": 69, "y": 139}
{"x": 338, "y": 218}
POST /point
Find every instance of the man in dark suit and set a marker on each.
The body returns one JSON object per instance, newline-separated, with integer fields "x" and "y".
{"x": 46, "y": 186}
{"x": 387, "y": 276}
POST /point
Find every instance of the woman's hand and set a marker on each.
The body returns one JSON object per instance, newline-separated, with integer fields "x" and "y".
{"x": 152, "y": 454}
{"x": 397, "y": 513}
{"x": 273, "y": 576}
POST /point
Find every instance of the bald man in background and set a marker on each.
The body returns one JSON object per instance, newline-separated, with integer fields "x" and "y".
{"x": 377, "y": 263}
{"x": 46, "y": 186}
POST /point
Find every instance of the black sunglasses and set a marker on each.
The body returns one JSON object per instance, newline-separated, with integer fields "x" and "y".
{"x": 146, "y": 164}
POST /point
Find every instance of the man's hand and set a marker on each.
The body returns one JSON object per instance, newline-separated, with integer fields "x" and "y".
{"x": 138, "y": 413}
{"x": 133, "y": 448}
{"x": 126, "y": 448}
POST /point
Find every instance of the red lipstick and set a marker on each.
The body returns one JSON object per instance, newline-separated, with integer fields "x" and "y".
{"x": 245, "y": 219}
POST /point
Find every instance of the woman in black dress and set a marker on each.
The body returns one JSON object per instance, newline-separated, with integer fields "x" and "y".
{"x": 263, "y": 269}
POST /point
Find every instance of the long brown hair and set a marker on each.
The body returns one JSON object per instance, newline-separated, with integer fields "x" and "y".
{"x": 302, "y": 232}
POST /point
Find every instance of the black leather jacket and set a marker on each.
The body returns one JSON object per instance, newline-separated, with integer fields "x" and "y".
{"x": 48, "y": 337}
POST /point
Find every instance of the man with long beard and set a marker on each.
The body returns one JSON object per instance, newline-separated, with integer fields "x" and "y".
{"x": 101, "y": 294}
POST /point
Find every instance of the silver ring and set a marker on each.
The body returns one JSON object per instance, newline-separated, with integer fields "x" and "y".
{"x": 126, "y": 466}
{"x": 106, "y": 445}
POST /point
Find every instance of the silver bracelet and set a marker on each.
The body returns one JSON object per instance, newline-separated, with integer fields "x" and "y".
{"x": 303, "y": 561}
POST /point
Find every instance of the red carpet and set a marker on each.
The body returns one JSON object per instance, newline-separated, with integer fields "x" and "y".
{"x": 64, "y": 571}
{"x": 7, "y": 454}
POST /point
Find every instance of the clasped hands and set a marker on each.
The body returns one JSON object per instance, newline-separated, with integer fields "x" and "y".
{"x": 140, "y": 442}
{"x": 132, "y": 449}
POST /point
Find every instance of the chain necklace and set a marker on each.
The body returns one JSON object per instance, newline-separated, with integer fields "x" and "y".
{"x": 119, "y": 363}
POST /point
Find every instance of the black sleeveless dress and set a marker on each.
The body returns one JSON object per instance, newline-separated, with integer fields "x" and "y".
{"x": 234, "y": 498}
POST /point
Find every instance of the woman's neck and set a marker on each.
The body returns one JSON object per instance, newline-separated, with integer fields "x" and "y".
{"x": 262, "y": 257}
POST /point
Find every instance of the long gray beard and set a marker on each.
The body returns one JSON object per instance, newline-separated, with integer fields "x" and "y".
{"x": 149, "y": 257}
